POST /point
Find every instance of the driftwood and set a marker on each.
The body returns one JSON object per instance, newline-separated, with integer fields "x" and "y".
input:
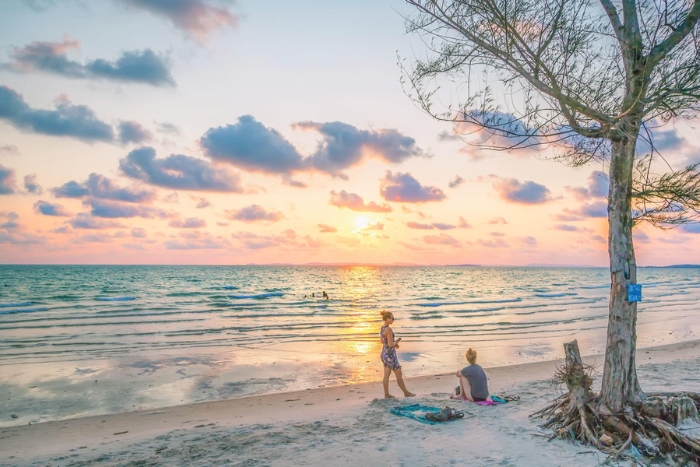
{"x": 652, "y": 427}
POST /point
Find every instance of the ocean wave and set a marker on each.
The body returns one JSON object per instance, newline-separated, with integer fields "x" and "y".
{"x": 257, "y": 296}
{"x": 115, "y": 299}
{"x": 223, "y": 287}
{"x": 554, "y": 295}
{"x": 471, "y": 302}
{"x": 14, "y": 305}
{"x": 22, "y": 310}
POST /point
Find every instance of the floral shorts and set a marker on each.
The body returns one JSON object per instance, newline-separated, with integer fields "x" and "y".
{"x": 390, "y": 359}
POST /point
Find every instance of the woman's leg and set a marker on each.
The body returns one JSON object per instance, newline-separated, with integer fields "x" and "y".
{"x": 399, "y": 380}
{"x": 385, "y": 382}
{"x": 465, "y": 388}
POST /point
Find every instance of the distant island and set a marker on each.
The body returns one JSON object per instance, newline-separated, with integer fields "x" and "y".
{"x": 677, "y": 266}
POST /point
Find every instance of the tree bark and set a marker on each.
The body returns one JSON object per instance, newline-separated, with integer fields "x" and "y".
{"x": 576, "y": 380}
{"x": 620, "y": 384}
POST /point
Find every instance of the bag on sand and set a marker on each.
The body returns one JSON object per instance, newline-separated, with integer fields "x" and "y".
{"x": 445, "y": 415}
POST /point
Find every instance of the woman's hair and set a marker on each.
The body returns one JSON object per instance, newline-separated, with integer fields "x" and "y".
{"x": 471, "y": 356}
{"x": 386, "y": 314}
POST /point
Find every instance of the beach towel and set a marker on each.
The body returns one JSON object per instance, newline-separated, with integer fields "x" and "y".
{"x": 494, "y": 400}
{"x": 417, "y": 412}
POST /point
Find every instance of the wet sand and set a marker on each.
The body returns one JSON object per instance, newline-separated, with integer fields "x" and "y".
{"x": 345, "y": 425}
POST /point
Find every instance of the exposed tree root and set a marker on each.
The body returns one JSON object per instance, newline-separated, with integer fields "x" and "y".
{"x": 653, "y": 427}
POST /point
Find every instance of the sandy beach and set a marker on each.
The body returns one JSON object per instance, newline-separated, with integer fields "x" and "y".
{"x": 345, "y": 425}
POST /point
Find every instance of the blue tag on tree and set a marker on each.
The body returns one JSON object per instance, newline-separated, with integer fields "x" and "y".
{"x": 634, "y": 293}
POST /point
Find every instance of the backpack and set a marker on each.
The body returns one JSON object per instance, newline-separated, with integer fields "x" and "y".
{"x": 445, "y": 415}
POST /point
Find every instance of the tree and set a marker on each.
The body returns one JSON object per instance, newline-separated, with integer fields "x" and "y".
{"x": 593, "y": 80}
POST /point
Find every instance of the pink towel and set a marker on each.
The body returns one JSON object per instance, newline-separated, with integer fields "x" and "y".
{"x": 486, "y": 402}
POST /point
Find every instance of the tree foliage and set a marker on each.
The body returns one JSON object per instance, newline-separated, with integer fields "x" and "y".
{"x": 566, "y": 74}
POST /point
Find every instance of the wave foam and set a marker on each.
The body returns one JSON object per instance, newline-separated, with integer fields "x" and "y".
{"x": 260, "y": 295}
{"x": 114, "y": 299}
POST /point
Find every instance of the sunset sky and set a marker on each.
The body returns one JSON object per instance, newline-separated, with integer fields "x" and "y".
{"x": 261, "y": 131}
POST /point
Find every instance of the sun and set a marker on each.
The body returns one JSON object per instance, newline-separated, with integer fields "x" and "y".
{"x": 361, "y": 223}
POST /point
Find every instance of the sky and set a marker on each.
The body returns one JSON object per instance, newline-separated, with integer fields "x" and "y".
{"x": 266, "y": 131}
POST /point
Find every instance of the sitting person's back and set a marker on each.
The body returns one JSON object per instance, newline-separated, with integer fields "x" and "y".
{"x": 473, "y": 381}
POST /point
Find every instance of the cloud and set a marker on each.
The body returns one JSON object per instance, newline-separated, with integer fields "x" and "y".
{"x": 8, "y": 183}
{"x": 571, "y": 228}
{"x": 641, "y": 237}
{"x": 463, "y": 224}
{"x": 136, "y": 66}
{"x": 9, "y": 149}
{"x": 131, "y": 66}
{"x": 172, "y": 198}
{"x": 31, "y": 185}
{"x": 528, "y": 241}
{"x": 597, "y": 209}
{"x": 253, "y": 213}
{"x": 506, "y": 130}
{"x": 567, "y": 217}
{"x": 498, "y": 220}
{"x": 197, "y": 18}
{"x": 76, "y": 121}
{"x": 133, "y": 132}
{"x": 201, "y": 202}
{"x": 442, "y": 239}
{"x": 323, "y": 228}
{"x": 179, "y": 172}
{"x": 344, "y": 146}
{"x": 419, "y": 226}
{"x": 662, "y": 140}
{"x": 167, "y": 128}
{"x": 11, "y": 223}
{"x": 404, "y": 188}
{"x": 190, "y": 223}
{"x": 93, "y": 238}
{"x": 497, "y": 242}
{"x": 250, "y": 145}
{"x": 443, "y": 226}
{"x": 690, "y": 228}
{"x": 448, "y": 136}
{"x": 21, "y": 238}
{"x": 197, "y": 241}
{"x": 434, "y": 225}
{"x": 49, "y": 209}
{"x": 566, "y": 227}
{"x": 355, "y": 202}
{"x": 376, "y": 225}
{"x": 527, "y": 192}
{"x": 598, "y": 186}
{"x": 100, "y": 208}
{"x": 100, "y": 187}
{"x": 86, "y": 221}
{"x": 457, "y": 181}
{"x": 138, "y": 232}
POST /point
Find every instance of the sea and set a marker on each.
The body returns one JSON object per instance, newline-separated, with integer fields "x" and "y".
{"x": 88, "y": 340}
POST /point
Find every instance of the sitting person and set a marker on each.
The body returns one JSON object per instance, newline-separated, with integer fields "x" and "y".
{"x": 473, "y": 383}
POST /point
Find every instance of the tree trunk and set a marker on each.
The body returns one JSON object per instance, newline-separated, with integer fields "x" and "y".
{"x": 620, "y": 385}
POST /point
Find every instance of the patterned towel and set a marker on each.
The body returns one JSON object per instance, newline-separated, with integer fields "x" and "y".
{"x": 417, "y": 412}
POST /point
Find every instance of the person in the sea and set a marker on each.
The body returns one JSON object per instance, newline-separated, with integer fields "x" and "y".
{"x": 325, "y": 295}
{"x": 388, "y": 356}
{"x": 473, "y": 383}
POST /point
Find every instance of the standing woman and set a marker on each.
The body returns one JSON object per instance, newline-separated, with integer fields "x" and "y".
{"x": 389, "y": 358}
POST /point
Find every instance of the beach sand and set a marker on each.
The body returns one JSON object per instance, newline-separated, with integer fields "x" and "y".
{"x": 346, "y": 425}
